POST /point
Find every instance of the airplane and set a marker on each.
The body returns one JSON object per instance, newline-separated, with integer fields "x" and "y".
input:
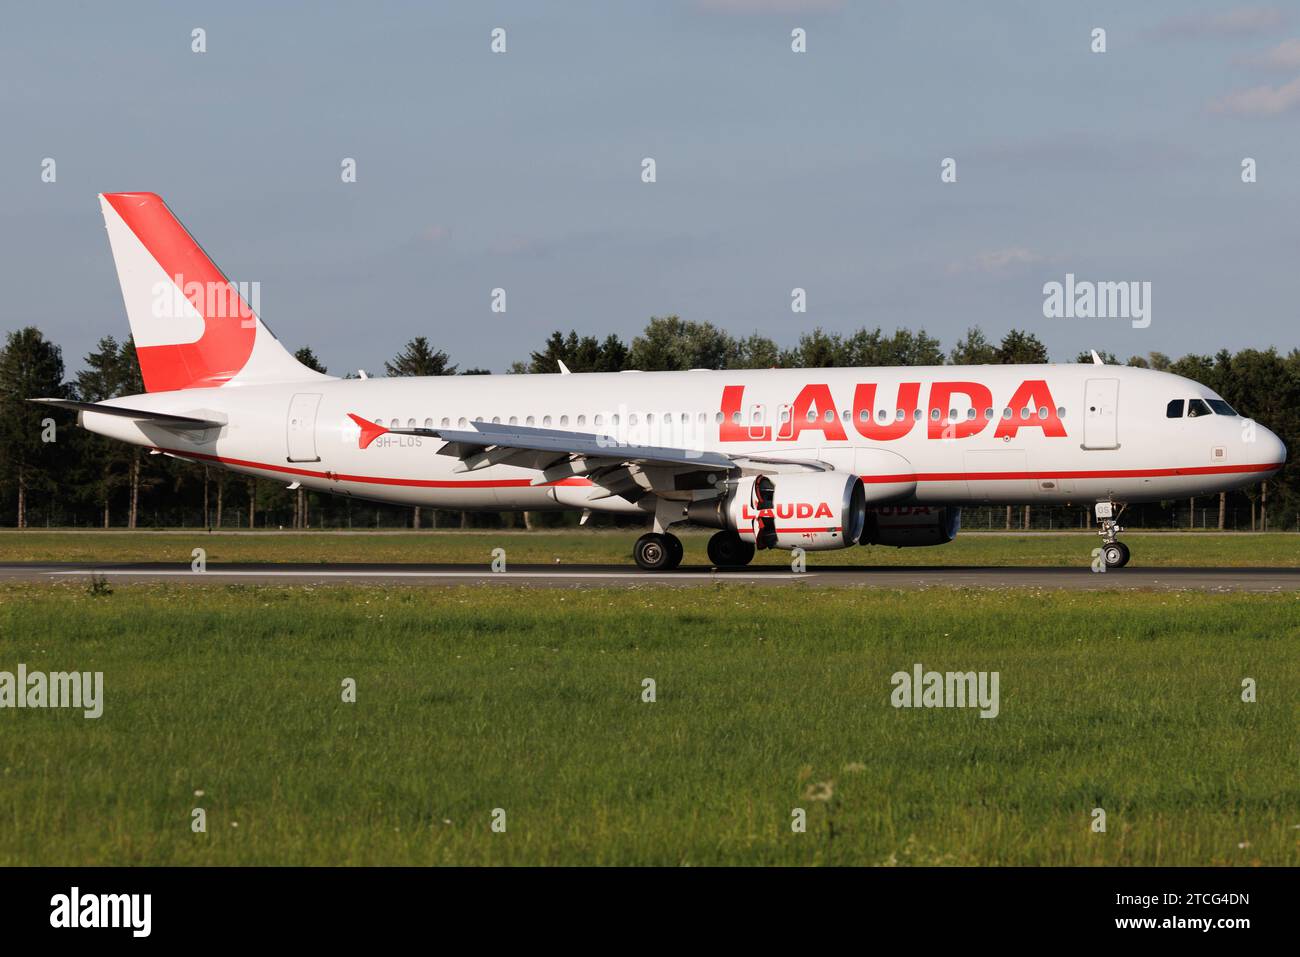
{"x": 817, "y": 459}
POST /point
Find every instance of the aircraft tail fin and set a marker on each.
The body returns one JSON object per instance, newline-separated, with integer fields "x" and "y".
{"x": 192, "y": 327}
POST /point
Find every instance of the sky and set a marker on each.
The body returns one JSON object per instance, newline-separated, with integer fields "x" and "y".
{"x": 775, "y": 170}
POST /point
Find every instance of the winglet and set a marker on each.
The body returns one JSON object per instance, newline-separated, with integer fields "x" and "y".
{"x": 369, "y": 431}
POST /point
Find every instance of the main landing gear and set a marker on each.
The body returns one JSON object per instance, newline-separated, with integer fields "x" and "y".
{"x": 1114, "y": 553}
{"x": 728, "y": 550}
{"x": 662, "y": 551}
{"x": 658, "y": 551}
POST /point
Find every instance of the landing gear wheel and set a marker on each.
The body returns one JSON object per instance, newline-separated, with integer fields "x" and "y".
{"x": 676, "y": 549}
{"x": 655, "y": 553}
{"x": 729, "y": 550}
{"x": 1115, "y": 554}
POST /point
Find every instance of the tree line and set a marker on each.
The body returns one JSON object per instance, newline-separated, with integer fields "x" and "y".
{"x": 54, "y": 474}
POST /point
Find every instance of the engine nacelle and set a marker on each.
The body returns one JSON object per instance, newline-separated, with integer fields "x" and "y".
{"x": 814, "y": 511}
{"x": 908, "y": 525}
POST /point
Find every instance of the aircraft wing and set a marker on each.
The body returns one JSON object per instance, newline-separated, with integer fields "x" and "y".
{"x": 619, "y": 467}
{"x": 182, "y": 423}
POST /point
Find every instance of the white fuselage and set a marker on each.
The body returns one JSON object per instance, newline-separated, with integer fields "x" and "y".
{"x": 1105, "y": 435}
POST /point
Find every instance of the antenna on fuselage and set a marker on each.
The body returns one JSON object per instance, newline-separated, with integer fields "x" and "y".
{"x": 1096, "y": 359}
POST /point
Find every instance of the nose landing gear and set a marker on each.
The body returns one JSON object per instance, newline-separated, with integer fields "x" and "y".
{"x": 1113, "y": 552}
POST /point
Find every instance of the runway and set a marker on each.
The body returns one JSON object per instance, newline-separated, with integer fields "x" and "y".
{"x": 622, "y": 576}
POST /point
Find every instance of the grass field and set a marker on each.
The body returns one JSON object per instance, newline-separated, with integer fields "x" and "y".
{"x": 615, "y": 547}
{"x": 768, "y": 699}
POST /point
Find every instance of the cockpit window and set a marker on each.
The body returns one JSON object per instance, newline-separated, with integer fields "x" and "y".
{"x": 1197, "y": 407}
{"x": 1174, "y": 410}
{"x": 1220, "y": 407}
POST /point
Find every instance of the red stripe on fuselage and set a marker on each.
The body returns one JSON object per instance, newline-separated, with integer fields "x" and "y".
{"x": 1090, "y": 474}
{"x": 878, "y": 479}
{"x": 376, "y": 479}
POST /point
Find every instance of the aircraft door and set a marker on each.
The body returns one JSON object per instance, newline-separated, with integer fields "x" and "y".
{"x": 301, "y": 427}
{"x": 1101, "y": 414}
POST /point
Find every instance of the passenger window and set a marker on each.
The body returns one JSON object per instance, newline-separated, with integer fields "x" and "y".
{"x": 1197, "y": 407}
{"x": 1174, "y": 410}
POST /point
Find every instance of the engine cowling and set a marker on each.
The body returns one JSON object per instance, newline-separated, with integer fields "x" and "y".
{"x": 813, "y": 511}
{"x": 911, "y": 525}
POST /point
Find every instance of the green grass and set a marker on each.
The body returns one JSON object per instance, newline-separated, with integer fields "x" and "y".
{"x": 606, "y": 547}
{"x": 471, "y": 699}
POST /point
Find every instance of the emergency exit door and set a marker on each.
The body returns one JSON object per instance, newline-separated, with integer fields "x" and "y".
{"x": 302, "y": 427}
{"x": 1101, "y": 414}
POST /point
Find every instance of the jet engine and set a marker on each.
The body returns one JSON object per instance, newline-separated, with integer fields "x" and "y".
{"x": 813, "y": 511}
{"x": 909, "y": 525}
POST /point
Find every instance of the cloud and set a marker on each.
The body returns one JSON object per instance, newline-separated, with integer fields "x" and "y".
{"x": 1240, "y": 22}
{"x": 1284, "y": 56}
{"x": 435, "y": 233}
{"x": 996, "y": 262}
{"x": 1260, "y": 100}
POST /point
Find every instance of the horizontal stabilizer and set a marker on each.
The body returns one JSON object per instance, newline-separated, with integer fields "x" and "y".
{"x": 164, "y": 419}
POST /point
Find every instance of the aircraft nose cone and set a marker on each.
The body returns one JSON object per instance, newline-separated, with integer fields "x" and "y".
{"x": 1272, "y": 451}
